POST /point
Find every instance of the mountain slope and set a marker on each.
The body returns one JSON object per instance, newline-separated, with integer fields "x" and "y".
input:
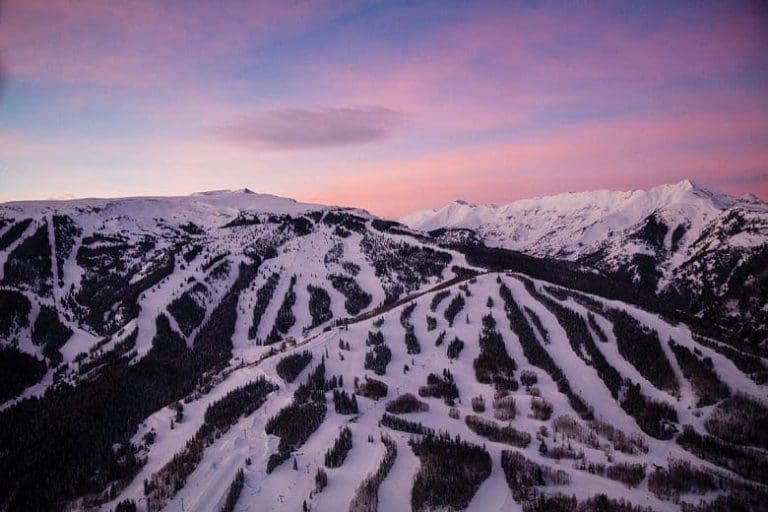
{"x": 702, "y": 251}
{"x": 210, "y": 352}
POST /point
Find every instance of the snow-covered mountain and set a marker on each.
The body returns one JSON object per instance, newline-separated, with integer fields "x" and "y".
{"x": 700, "y": 249}
{"x": 239, "y": 351}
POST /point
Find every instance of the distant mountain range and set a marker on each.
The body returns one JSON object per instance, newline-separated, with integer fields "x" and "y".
{"x": 698, "y": 249}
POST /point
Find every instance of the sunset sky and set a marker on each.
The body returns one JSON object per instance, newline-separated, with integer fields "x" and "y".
{"x": 391, "y": 106}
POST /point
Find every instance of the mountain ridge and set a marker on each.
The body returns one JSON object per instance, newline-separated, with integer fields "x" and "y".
{"x": 679, "y": 240}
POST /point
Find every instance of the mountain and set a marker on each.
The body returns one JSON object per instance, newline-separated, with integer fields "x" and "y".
{"x": 702, "y": 251}
{"x": 231, "y": 350}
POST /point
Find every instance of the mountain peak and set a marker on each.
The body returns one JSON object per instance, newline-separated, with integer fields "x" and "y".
{"x": 221, "y": 192}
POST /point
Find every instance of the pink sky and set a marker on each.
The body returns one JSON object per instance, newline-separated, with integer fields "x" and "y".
{"x": 390, "y": 106}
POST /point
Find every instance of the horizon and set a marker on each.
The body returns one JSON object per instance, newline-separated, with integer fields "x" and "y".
{"x": 391, "y": 107}
{"x": 249, "y": 190}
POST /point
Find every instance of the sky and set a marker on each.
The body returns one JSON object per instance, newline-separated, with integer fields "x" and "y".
{"x": 391, "y": 106}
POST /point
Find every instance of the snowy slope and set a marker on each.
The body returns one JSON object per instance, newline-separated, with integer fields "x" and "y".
{"x": 147, "y": 314}
{"x": 573, "y": 225}
{"x": 287, "y": 489}
{"x": 681, "y": 240}
{"x": 108, "y": 267}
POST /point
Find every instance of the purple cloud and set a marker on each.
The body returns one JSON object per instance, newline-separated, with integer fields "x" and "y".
{"x": 296, "y": 129}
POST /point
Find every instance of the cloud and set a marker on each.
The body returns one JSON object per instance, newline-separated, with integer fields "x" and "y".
{"x": 297, "y": 129}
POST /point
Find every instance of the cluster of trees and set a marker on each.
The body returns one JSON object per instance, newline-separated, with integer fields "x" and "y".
{"x": 440, "y": 386}
{"x": 630, "y": 474}
{"x": 122, "y": 349}
{"x": 374, "y": 338}
{"x": 126, "y": 506}
{"x": 523, "y": 475}
{"x": 29, "y": 264}
{"x": 738, "y": 500}
{"x": 541, "y": 409}
{"x": 233, "y": 494}
{"x": 64, "y": 231}
{"x": 412, "y": 345}
{"x": 187, "y": 312}
{"x": 741, "y": 420}
{"x": 642, "y": 348}
{"x": 336, "y": 454}
{"x": 13, "y": 233}
{"x": 18, "y": 370}
{"x": 596, "y": 327}
{"x": 321, "y": 482}
{"x": 319, "y": 305}
{"x": 431, "y": 323}
{"x": 213, "y": 342}
{"x": 403, "y": 425}
{"x": 219, "y": 416}
{"x": 411, "y": 341}
{"x": 437, "y": 298}
{"x": 334, "y": 254}
{"x": 499, "y": 434}
{"x": 478, "y": 404}
{"x": 680, "y": 477}
{"x": 454, "y": 308}
{"x": 528, "y": 378}
{"x": 657, "y": 419}
{"x": 560, "y": 451}
{"x": 406, "y": 313}
{"x": 494, "y": 365}
{"x": 241, "y": 401}
{"x": 344, "y": 403}
{"x": 440, "y": 339}
{"x": 454, "y": 348}
{"x": 700, "y": 372}
{"x": 356, "y": 298}
{"x": 285, "y": 317}
{"x": 315, "y": 386}
{"x": 537, "y": 355}
{"x": 299, "y": 420}
{"x": 346, "y": 220}
{"x": 14, "y": 313}
{"x": 450, "y": 474}
{"x": 107, "y": 298}
{"x": 405, "y": 404}
{"x": 562, "y": 503}
{"x": 632, "y": 443}
{"x": 747, "y": 462}
{"x": 570, "y": 429}
{"x": 401, "y": 266}
{"x": 504, "y": 406}
{"x": 371, "y": 388}
{"x": 366, "y": 498}
{"x": 289, "y": 367}
{"x": 293, "y": 424}
{"x": 378, "y": 358}
{"x": 538, "y": 324}
{"x": 211, "y": 262}
{"x": 220, "y": 271}
{"x": 263, "y": 298}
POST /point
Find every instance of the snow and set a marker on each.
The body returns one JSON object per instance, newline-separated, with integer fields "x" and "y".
{"x": 573, "y": 225}
{"x": 287, "y": 489}
{"x": 570, "y": 224}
